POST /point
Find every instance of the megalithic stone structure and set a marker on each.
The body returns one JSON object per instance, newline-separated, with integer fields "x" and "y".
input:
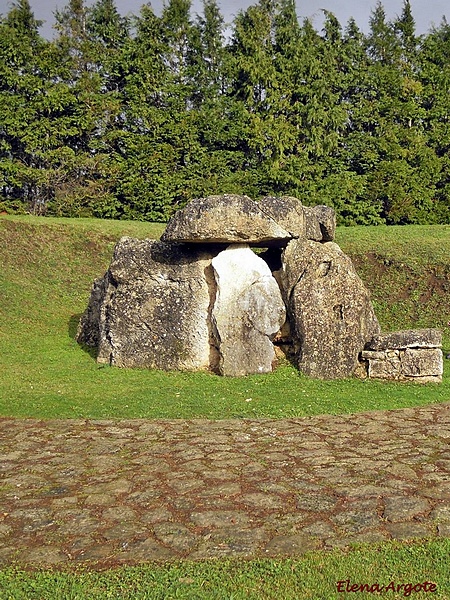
{"x": 201, "y": 299}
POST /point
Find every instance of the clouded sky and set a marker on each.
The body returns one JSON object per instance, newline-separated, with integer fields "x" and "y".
{"x": 426, "y": 12}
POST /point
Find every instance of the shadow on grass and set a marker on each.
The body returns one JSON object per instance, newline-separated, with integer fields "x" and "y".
{"x": 73, "y": 330}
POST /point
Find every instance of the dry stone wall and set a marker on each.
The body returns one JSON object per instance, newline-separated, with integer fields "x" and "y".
{"x": 410, "y": 355}
{"x": 202, "y": 299}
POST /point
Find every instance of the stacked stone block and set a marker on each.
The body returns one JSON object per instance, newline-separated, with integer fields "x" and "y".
{"x": 410, "y": 355}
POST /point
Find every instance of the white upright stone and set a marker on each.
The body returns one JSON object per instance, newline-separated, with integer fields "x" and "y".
{"x": 248, "y": 311}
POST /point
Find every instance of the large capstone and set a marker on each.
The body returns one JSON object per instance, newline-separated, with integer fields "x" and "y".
{"x": 247, "y": 313}
{"x": 329, "y": 310}
{"x": 152, "y": 307}
{"x": 225, "y": 219}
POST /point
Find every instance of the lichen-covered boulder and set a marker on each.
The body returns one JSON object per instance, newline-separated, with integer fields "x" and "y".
{"x": 248, "y": 311}
{"x": 152, "y": 307}
{"x": 287, "y": 211}
{"x": 329, "y": 310}
{"x": 225, "y": 219}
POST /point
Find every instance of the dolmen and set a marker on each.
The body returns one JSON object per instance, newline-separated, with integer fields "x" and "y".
{"x": 202, "y": 298}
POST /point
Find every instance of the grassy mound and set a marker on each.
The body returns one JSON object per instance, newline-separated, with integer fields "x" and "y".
{"x": 47, "y": 269}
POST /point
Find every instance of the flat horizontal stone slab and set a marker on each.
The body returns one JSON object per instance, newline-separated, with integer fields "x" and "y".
{"x": 408, "y": 338}
{"x": 228, "y": 219}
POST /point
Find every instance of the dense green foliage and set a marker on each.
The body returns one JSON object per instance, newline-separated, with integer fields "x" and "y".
{"x": 129, "y": 118}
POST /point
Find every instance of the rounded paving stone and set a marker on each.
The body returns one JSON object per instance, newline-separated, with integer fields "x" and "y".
{"x": 44, "y": 556}
{"x": 401, "y": 508}
{"x": 219, "y": 519}
{"x": 291, "y": 545}
{"x": 263, "y": 501}
{"x": 229, "y": 542}
{"x": 316, "y": 502}
{"x": 408, "y": 530}
{"x": 353, "y": 522}
{"x": 175, "y": 535}
{"x": 124, "y": 531}
{"x": 119, "y": 513}
{"x": 147, "y": 549}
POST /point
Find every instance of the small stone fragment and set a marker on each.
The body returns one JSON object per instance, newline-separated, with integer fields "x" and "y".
{"x": 320, "y": 223}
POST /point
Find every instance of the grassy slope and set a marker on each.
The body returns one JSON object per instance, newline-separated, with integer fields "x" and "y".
{"x": 407, "y": 269}
{"x": 48, "y": 266}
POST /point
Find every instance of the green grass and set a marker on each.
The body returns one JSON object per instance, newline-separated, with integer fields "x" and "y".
{"x": 48, "y": 266}
{"x": 313, "y": 576}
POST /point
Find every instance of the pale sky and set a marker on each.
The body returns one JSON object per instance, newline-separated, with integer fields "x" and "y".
{"x": 425, "y": 12}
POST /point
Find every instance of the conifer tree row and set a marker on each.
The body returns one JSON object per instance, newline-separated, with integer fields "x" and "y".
{"x": 131, "y": 117}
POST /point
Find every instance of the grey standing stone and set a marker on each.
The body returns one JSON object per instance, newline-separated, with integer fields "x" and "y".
{"x": 329, "y": 309}
{"x": 247, "y": 313}
{"x": 154, "y": 307}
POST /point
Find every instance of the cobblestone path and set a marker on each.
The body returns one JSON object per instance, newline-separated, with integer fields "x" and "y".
{"x": 104, "y": 493}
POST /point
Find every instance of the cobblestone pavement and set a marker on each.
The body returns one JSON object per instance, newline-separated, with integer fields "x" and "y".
{"x": 103, "y": 493}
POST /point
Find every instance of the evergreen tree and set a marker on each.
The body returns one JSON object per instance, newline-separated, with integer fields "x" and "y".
{"x": 132, "y": 118}
{"x": 81, "y": 71}
{"x": 206, "y": 56}
{"x": 435, "y": 79}
{"x": 23, "y": 97}
{"x": 108, "y": 34}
